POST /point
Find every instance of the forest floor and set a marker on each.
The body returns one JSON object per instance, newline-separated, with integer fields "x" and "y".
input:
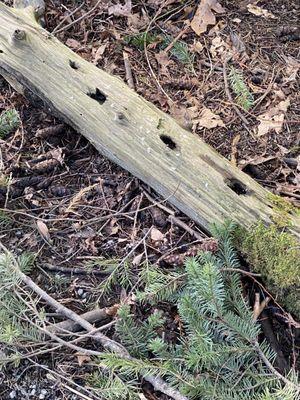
{"x": 71, "y": 207}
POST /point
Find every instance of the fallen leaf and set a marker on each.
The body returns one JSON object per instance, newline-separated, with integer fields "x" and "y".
{"x": 121, "y": 10}
{"x": 137, "y": 259}
{"x": 182, "y": 116}
{"x": 292, "y": 68}
{"x": 97, "y": 54}
{"x": 273, "y": 118}
{"x": 82, "y": 358}
{"x": 156, "y": 235}
{"x": 218, "y": 47}
{"x": 209, "y": 120}
{"x": 260, "y": 12}
{"x": 73, "y": 44}
{"x": 43, "y": 230}
{"x": 204, "y": 15}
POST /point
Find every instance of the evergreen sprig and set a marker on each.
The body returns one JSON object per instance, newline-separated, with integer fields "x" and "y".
{"x": 244, "y": 97}
{"x": 9, "y": 121}
{"x": 218, "y": 355}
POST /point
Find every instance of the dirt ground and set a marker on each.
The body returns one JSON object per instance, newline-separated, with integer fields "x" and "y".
{"x": 73, "y": 208}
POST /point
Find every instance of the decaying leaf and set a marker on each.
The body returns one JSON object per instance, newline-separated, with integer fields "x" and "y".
{"x": 292, "y": 68}
{"x": 121, "y": 10}
{"x": 273, "y": 118}
{"x": 209, "y": 120}
{"x": 205, "y": 16}
{"x": 82, "y": 358}
{"x": 182, "y": 116}
{"x": 219, "y": 48}
{"x": 43, "y": 230}
{"x": 260, "y": 12}
{"x": 156, "y": 235}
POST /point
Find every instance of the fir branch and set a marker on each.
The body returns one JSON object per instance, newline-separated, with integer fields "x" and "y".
{"x": 9, "y": 121}
{"x": 243, "y": 96}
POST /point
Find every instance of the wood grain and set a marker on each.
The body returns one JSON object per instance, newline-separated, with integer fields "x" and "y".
{"x": 127, "y": 129}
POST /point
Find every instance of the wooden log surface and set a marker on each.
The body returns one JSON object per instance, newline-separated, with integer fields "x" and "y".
{"x": 128, "y": 129}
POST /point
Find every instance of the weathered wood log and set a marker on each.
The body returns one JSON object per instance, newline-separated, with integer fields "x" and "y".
{"x": 127, "y": 129}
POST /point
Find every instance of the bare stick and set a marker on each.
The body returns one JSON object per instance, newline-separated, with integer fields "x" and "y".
{"x": 78, "y": 19}
{"x": 129, "y": 77}
{"x": 108, "y": 344}
{"x": 183, "y": 225}
{"x": 99, "y": 314}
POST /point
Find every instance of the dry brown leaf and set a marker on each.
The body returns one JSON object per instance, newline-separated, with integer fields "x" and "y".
{"x": 204, "y": 15}
{"x": 182, "y": 116}
{"x": 156, "y": 235}
{"x": 82, "y": 358}
{"x": 219, "y": 48}
{"x": 273, "y": 118}
{"x": 73, "y": 44}
{"x": 121, "y": 10}
{"x": 292, "y": 68}
{"x": 260, "y": 12}
{"x": 209, "y": 120}
{"x": 97, "y": 54}
{"x": 137, "y": 259}
{"x": 43, "y": 230}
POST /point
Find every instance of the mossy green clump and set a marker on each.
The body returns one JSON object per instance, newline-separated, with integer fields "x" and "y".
{"x": 275, "y": 254}
{"x": 283, "y": 210}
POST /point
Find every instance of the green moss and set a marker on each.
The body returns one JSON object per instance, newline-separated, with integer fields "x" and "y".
{"x": 275, "y": 254}
{"x": 282, "y": 210}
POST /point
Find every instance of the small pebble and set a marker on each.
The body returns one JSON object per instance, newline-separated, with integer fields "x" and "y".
{"x": 80, "y": 292}
{"x": 12, "y": 394}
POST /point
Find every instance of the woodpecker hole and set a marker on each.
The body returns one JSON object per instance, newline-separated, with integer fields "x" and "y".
{"x": 237, "y": 186}
{"x": 73, "y": 64}
{"x": 168, "y": 141}
{"x": 98, "y": 96}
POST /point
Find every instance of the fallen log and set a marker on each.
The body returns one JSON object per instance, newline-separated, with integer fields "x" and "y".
{"x": 127, "y": 129}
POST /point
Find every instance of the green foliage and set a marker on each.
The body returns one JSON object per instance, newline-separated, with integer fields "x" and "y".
{"x": 283, "y": 211}
{"x": 276, "y": 255}
{"x": 5, "y": 220}
{"x": 243, "y": 96}
{"x": 9, "y": 121}
{"x": 160, "y": 286}
{"x": 119, "y": 274}
{"x": 111, "y": 386}
{"x": 217, "y": 356}
{"x": 179, "y": 50}
{"x": 132, "y": 335}
{"x": 140, "y": 39}
{"x": 15, "y": 316}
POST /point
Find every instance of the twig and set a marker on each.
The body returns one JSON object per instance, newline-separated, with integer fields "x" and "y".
{"x": 175, "y": 40}
{"x": 267, "y": 328}
{"x": 158, "y": 204}
{"x": 73, "y": 271}
{"x": 273, "y": 370}
{"x": 269, "y": 88}
{"x": 228, "y": 94}
{"x": 99, "y": 314}
{"x": 259, "y": 306}
{"x": 108, "y": 344}
{"x": 79, "y": 19}
{"x": 129, "y": 77}
{"x": 56, "y": 29}
{"x": 146, "y": 52}
{"x": 183, "y": 225}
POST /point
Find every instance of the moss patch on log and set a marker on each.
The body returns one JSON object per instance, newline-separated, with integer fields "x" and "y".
{"x": 275, "y": 254}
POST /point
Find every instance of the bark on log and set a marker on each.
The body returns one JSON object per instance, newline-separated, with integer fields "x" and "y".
{"x": 127, "y": 129}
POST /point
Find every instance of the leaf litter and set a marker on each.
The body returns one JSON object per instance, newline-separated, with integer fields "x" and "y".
{"x": 109, "y": 213}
